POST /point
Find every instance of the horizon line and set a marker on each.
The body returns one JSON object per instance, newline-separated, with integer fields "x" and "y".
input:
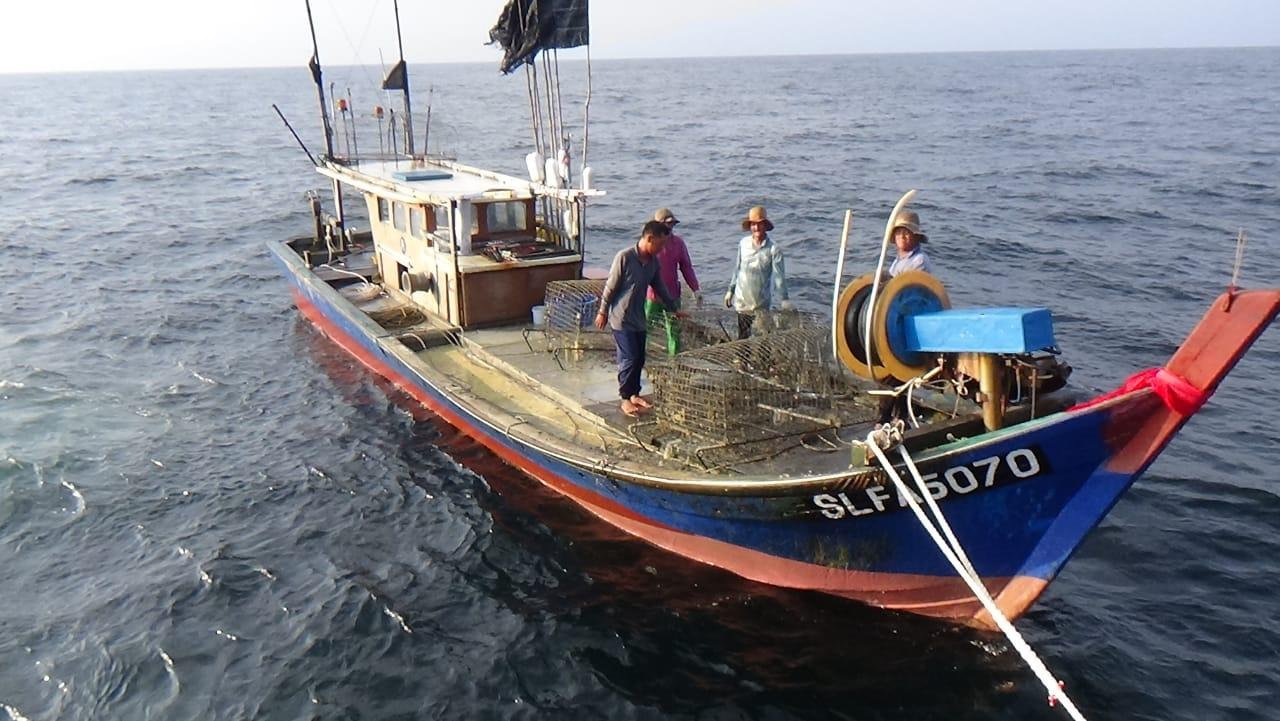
{"x": 495, "y": 61}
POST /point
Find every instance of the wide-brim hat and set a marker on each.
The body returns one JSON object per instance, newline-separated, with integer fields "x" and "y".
{"x": 663, "y": 215}
{"x": 756, "y": 215}
{"x": 910, "y": 220}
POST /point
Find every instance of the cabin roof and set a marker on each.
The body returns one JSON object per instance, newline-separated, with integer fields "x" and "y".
{"x": 436, "y": 181}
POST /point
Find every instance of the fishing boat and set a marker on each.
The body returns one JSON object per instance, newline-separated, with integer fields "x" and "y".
{"x": 768, "y": 456}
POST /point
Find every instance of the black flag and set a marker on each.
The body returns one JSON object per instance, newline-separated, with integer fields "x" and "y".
{"x": 527, "y": 26}
{"x": 396, "y": 78}
{"x": 314, "y": 64}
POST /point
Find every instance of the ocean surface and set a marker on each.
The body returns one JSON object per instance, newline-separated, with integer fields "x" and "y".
{"x": 208, "y": 511}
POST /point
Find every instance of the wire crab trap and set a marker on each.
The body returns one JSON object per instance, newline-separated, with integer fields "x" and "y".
{"x": 570, "y": 306}
{"x": 704, "y": 326}
{"x": 568, "y": 320}
{"x": 568, "y": 323}
{"x": 751, "y": 399}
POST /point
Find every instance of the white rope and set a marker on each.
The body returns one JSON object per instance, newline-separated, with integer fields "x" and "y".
{"x": 341, "y": 271}
{"x": 887, "y": 436}
{"x": 918, "y": 382}
{"x": 936, "y": 511}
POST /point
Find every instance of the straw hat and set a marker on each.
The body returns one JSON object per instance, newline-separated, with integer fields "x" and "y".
{"x": 756, "y": 215}
{"x": 664, "y": 214}
{"x": 910, "y": 220}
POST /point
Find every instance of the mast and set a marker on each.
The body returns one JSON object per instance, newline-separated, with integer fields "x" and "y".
{"x": 314, "y": 65}
{"x": 324, "y": 117}
{"x": 399, "y": 75}
{"x": 525, "y": 29}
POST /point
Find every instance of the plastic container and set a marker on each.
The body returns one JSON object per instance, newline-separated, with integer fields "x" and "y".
{"x": 539, "y": 315}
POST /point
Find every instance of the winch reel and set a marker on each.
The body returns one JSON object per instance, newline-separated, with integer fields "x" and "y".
{"x": 904, "y": 295}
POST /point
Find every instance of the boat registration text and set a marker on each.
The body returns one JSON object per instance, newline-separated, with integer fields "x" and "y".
{"x": 961, "y": 480}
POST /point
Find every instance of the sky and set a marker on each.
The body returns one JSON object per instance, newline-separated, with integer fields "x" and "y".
{"x": 80, "y": 35}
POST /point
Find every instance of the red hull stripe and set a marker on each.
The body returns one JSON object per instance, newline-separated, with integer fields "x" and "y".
{"x": 937, "y": 596}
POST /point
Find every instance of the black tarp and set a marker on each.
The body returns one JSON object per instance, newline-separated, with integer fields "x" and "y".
{"x": 314, "y": 65}
{"x": 397, "y": 79}
{"x": 527, "y": 26}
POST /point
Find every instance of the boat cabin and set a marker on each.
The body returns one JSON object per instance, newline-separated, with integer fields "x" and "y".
{"x": 468, "y": 246}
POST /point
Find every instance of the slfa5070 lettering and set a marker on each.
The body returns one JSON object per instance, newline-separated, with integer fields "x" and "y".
{"x": 958, "y": 480}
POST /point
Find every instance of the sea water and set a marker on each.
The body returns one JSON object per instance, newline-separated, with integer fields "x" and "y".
{"x": 208, "y": 511}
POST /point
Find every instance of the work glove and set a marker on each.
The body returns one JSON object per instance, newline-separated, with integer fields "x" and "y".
{"x": 728, "y": 299}
{"x": 697, "y": 298}
{"x": 787, "y": 306}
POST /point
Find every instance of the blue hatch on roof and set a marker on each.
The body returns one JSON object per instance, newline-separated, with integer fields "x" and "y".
{"x": 980, "y": 330}
{"x": 422, "y": 174}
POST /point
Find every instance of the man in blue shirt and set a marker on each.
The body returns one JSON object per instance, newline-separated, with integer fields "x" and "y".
{"x": 907, "y": 238}
{"x": 635, "y": 270}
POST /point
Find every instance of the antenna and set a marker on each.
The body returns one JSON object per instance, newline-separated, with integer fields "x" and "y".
{"x": 426, "y": 132}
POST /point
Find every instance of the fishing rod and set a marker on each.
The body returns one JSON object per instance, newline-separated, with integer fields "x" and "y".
{"x": 355, "y": 136}
{"x": 301, "y": 144}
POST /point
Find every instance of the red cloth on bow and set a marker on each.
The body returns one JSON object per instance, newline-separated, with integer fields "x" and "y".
{"x": 1177, "y": 393}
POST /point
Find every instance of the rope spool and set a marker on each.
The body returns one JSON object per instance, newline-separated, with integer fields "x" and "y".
{"x": 907, "y": 294}
{"x": 851, "y": 346}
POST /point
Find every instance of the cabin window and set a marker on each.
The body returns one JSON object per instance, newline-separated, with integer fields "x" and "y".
{"x": 506, "y": 217}
{"x": 420, "y": 223}
{"x": 401, "y": 216}
{"x": 384, "y": 210}
{"x": 443, "y": 226}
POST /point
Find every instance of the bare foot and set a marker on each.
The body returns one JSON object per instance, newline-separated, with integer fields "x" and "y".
{"x": 630, "y": 409}
{"x": 641, "y": 402}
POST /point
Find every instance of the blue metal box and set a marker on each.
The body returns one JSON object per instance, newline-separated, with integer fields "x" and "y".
{"x": 980, "y": 330}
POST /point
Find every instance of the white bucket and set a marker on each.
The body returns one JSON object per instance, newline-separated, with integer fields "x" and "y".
{"x": 539, "y": 315}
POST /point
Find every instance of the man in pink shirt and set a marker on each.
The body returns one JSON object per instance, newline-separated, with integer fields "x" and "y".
{"x": 673, "y": 257}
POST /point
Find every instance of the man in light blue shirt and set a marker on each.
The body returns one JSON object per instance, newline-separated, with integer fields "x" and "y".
{"x": 907, "y": 238}
{"x": 759, "y": 273}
